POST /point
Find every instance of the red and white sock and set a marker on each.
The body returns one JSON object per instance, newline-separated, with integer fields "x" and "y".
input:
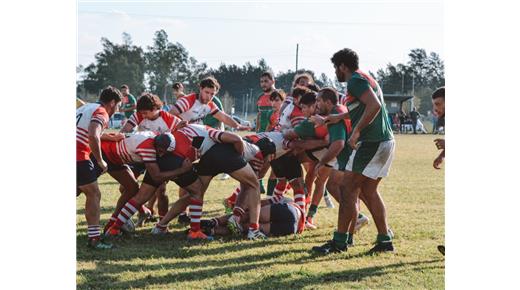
{"x": 254, "y": 227}
{"x": 111, "y": 221}
{"x": 94, "y": 232}
{"x": 238, "y": 213}
{"x": 299, "y": 198}
{"x": 130, "y": 208}
{"x": 232, "y": 199}
{"x": 195, "y": 213}
{"x": 280, "y": 187}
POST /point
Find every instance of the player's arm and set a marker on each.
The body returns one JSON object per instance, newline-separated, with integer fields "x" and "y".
{"x": 153, "y": 169}
{"x": 127, "y": 128}
{"x": 372, "y": 108}
{"x": 227, "y": 137}
{"x": 307, "y": 144}
{"x": 112, "y": 137}
{"x": 226, "y": 119}
{"x": 290, "y": 134}
{"x": 94, "y": 141}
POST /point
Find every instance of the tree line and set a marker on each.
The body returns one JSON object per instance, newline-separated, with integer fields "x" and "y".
{"x": 158, "y": 66}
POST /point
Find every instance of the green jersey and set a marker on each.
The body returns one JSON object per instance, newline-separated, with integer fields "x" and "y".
{"x": 306, "y": 130}
{"x": 211, "y": 121}
{"x": 338, "y": 131}
{"x": 128, "y": 102}
{"x": 379, "y": 130}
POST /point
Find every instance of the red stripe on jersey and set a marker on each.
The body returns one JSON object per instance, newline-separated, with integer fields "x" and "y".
{"x": 183, "y": 146}
{"x": 82, "y": 130}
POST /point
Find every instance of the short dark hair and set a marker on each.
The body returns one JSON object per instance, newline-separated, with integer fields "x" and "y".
{"x": 308, "y": 99}
{"x": 177, "y": 86}
{"x": 277, "y": 94}
{"x": 439, "y": 93}
{"x": 209, "y": 82}
{"x": 109, "y": 94}
{"x": 124, "y": 87}
{"x": 329, "y": 94}
{"x": 314, "y": 87}
{"x": 348, "y": 57}
{"x": 268, "y": 75}
{"x": 299, "y": 91}
{"x": 149, "y": 102}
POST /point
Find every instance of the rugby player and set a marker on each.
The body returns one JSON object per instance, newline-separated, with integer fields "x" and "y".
{"x": 372, "y": 145}
{"x": 91, "y": 120}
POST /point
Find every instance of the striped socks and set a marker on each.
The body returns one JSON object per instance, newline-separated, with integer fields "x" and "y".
{"x": 94, "y": 232}
{"x": 130, "y": 208}
{"x": 195, "y": 213}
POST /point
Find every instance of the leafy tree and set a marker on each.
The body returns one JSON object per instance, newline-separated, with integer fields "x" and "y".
{"x": 115, "y": 65}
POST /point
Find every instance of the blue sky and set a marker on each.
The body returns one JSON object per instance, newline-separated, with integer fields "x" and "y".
{"x": 381, "y": 32}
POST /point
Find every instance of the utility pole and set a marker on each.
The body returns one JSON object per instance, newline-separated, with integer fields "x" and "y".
{"x": 402, "y": 83}
{"x": 297, "y": 46}
{"x": 413, "y": 84}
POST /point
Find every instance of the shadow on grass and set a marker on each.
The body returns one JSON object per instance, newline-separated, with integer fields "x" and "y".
{"x": 300, "y": 279}
{"x": 103, "y": 210}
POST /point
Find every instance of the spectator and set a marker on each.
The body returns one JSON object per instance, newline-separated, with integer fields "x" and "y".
{"x": 414, "y": 116}
{"x": 397, "y": 123}
{"x": 402, "y": 119}
{"x": 128, "y": 103}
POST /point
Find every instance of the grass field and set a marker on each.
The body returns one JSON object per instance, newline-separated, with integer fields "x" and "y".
{"x": 414, "y": 196}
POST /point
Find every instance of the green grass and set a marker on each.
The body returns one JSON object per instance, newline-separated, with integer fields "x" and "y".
{"x": 414, "y": 196}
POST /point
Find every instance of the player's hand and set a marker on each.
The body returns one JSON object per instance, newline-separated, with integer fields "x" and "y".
{"x": 181, "y": 124}
{"x": 243, "y": 128}
{"x": 186, "y": 165}
{"x": 437, "y": 162}
{"x": 103, "y": 165}
{"x": 118, "y": 136}
{"x": 317, "y": 120}
{"x": 332, "y": 119}
{"x": 353, "y": 139}
{"x": 439, "y": 143}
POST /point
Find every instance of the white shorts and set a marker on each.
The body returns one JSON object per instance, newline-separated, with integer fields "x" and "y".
{"x": 372, "y": 159}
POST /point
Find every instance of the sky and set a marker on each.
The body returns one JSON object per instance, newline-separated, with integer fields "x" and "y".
{"x": 232, "y": 32}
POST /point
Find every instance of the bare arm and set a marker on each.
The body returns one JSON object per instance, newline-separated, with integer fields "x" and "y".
{"x": 226, "y": 119}
{"x": 175, "y": 111}
{"x": 112, "y": 137}
{"x": 258, "y": 121}
{"x": 127, "y": 128}
{"x": 372, "y": 108}
{"x": 308, "y": 144}
{"x": 158, "y": 176}
{"x": 94, "y": 142}
{"x": 334, "y": 149}
{"x": 289, "y": 134}
{"x": 234, "y": 139}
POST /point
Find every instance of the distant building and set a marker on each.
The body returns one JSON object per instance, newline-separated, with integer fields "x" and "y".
{"x": 394, "y": 103}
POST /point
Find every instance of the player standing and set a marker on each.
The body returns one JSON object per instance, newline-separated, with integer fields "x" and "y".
{"x": 91, "y": 120}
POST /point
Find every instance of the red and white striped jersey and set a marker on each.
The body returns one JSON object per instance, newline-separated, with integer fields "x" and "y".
{"x": 210, "y": 135}
{"x": 135, "y": 148}
{"x": 91, "y": 112}
{"x": 277, "y": 138}
{"x": 166, "y": 122}
{"x": 253, "y": 155}
{"x": 291, "y": 116}
{"x": 192, "y": 110}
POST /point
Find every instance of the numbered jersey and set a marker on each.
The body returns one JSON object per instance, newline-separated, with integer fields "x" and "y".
{"x": 291, "y": 116}
{"x": 192, "y": 110}
{"x": 166, "y": 122}
{"x": 135, "y": 148}
{"x": 92, "y": 112}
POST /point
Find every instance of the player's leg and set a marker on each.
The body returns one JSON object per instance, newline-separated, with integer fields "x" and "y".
{"x": 127, "y": 180}
{"x": 319, "y": 189}
{"x": 162, "y": 200}
{"x": 87, "y": 172}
